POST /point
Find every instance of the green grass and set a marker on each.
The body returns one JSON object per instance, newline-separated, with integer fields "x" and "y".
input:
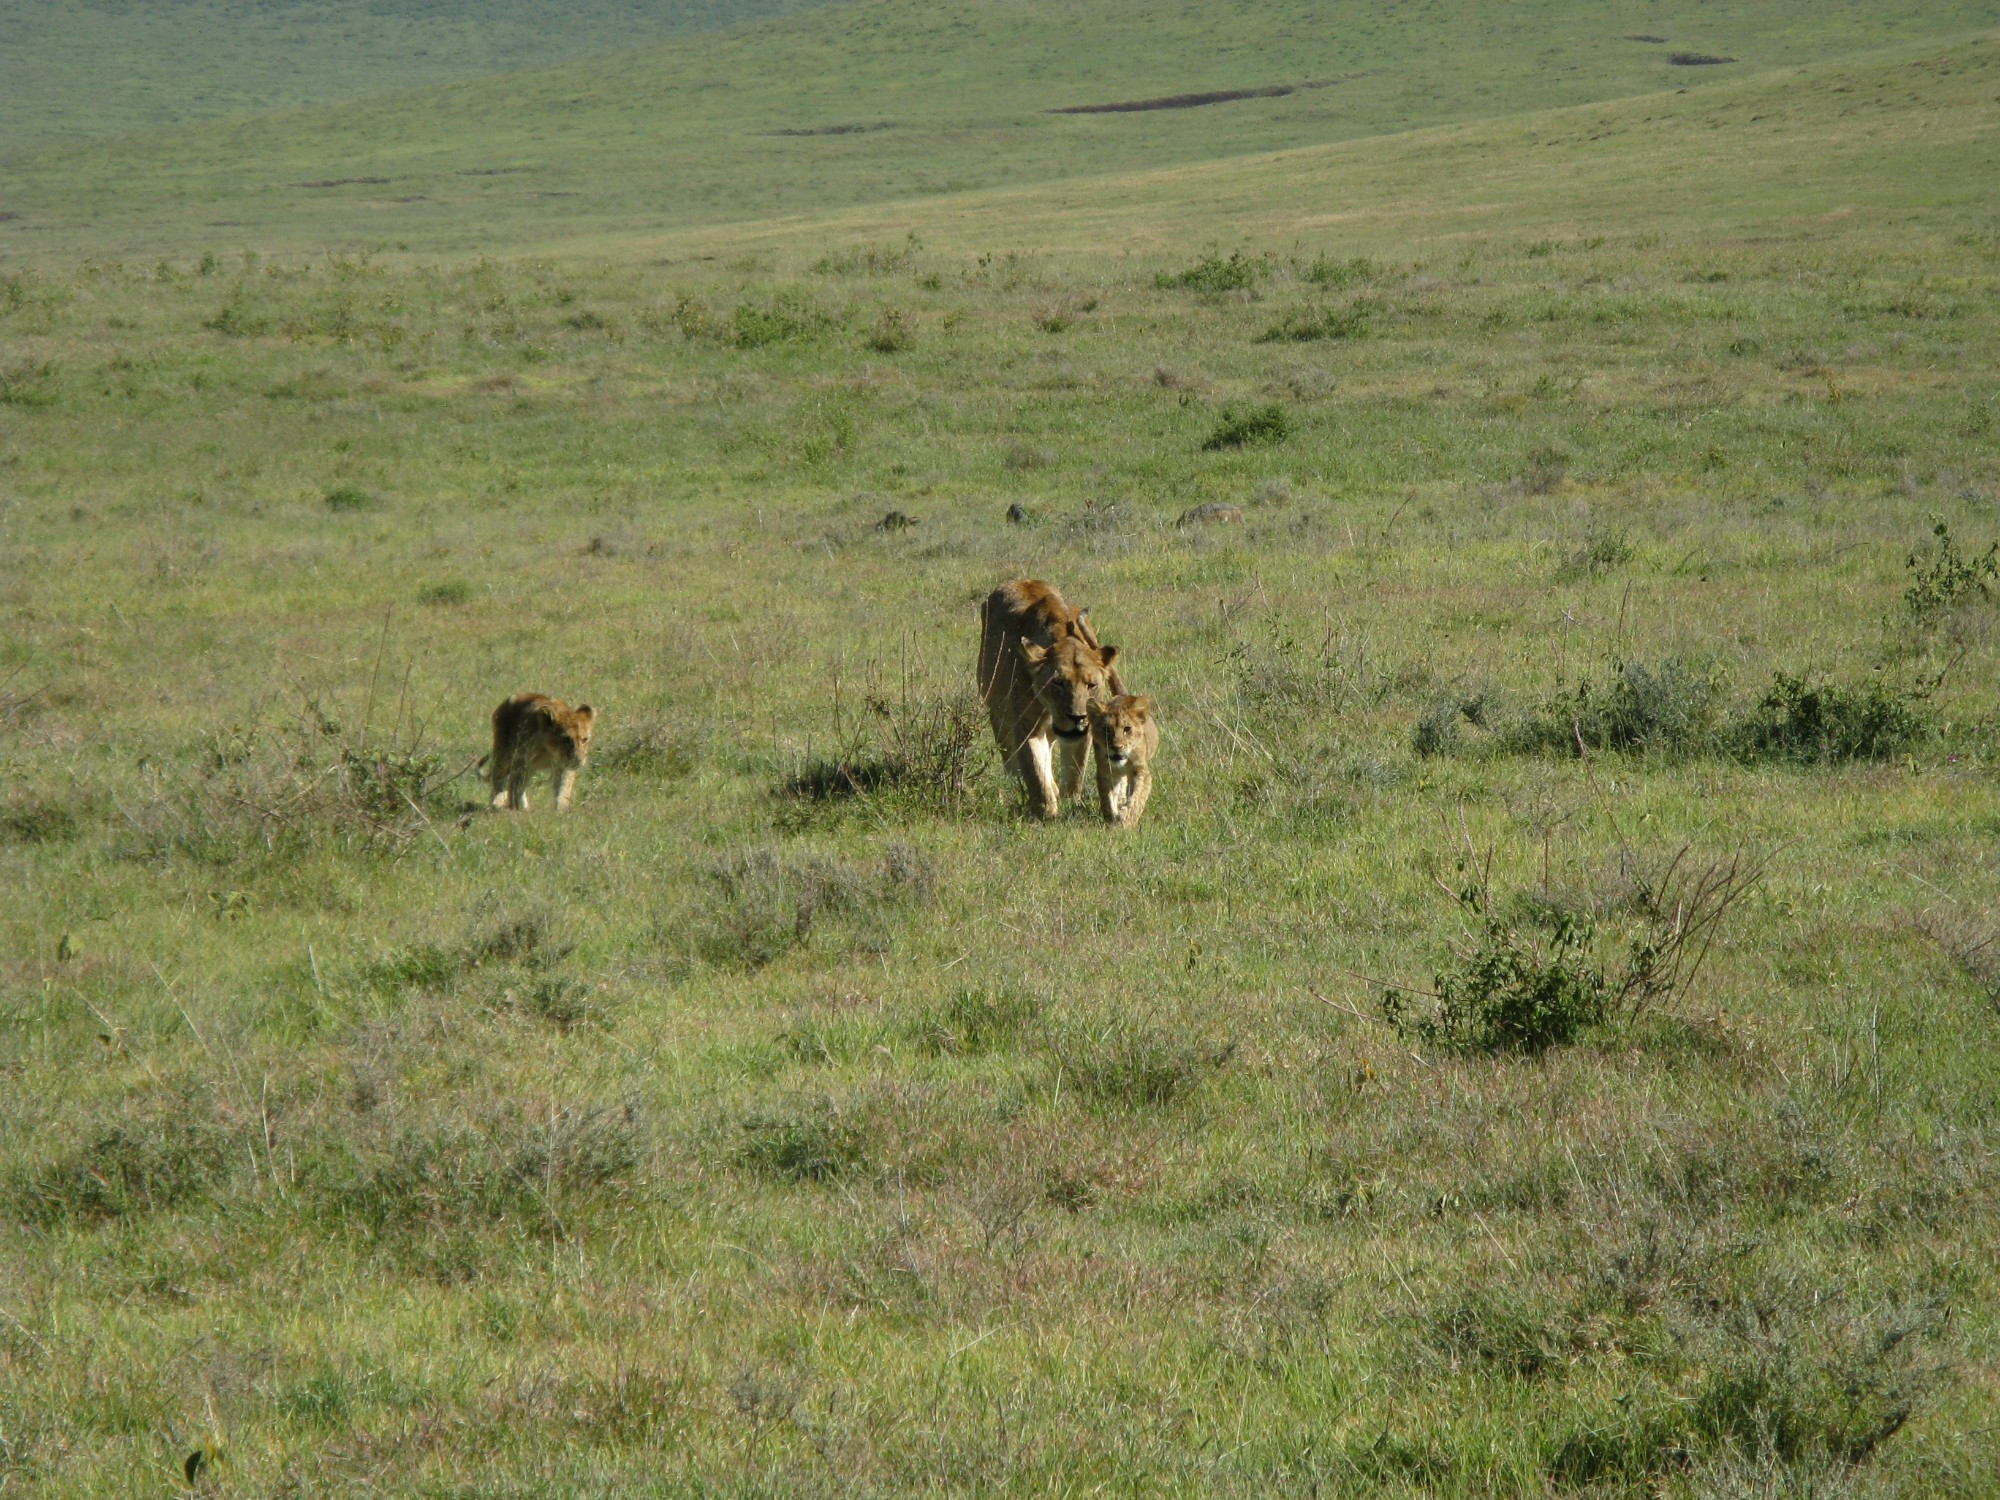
{"x": 756, "y": 1131}
{"x": 955, "y": 98}
{"x": 102, "y": 67}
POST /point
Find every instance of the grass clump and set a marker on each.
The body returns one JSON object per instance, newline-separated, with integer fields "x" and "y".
{"x": 28, "y": 384}
{"x": 926, "y": 753}
{"x": 804, "y": 1141}
{"x": 787, "y": 317}
{"x": 149, "y": 1162}
{"x": 974, "y": 1022}
{"x": 1215, "y": 272}
{"x": 348, "y": 497}
{"x": 761, "y": 904}
{"x": 1122, "y": 1066}
{"x": 1242, "y": 427}
{"x": 894, "y": 331}
{"x": 1669, "y": 707}
{"x": 1310, "y": 324}
{"x": 453, "y": 1175}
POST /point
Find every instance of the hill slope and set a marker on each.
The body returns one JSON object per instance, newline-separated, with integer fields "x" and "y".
{"x": 883, "y": 100}
{"x": 95, "y": 67}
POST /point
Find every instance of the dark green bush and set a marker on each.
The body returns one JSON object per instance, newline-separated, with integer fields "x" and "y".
{"x": 1800, "y": 720}
{"x": 1214, "y": 273}
{"x": 1308, "y": 324}
{"x": 1244, "y": 426}
{"x": 1518, "y": 986}
{"x": 1669, "y": 707}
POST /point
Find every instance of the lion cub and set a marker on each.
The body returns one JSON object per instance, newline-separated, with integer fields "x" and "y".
{"x": 1125, "y": 737}
{"x": 532, "y": 734}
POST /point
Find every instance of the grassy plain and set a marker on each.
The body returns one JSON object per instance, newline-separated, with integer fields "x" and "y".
{"x": 885, "y": 101}
{"x": 203, "y": 59}
{"x": 722, "y": 1139}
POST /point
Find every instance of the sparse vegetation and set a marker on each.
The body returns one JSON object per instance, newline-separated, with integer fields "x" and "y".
{"x": 793, "y": 1115}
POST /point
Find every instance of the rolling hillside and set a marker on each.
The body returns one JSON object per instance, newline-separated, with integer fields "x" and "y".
{"x": 1541, "y": 1041}
{"x": 71, "y": 68}
{"x": 886, "y": 100}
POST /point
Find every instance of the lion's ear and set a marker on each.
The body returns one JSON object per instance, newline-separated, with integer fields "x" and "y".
{"x": 1107, "y": 654}
{"x": 1032, "y": 654}
{"x": 586, "y": 715}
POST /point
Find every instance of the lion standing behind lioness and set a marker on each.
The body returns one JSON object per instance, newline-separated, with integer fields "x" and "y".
{"x": 1040, "y": 668}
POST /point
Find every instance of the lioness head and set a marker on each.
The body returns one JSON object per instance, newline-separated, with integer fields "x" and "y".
{"x": 1120, "y": 729}
{"x": 1068, "y": 677}
{"x": 576, "y": 727}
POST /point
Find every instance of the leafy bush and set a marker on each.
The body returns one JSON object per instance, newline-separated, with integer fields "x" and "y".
{"x": 1309, "y": 324}
{"x": 1514, "y": 989}
{"x": 1670, "y": 707}
{"x": 1241, "y": 427}
{"x": 1800, "y": 720}
{"x": 1528, "y": 975}
{"x": 1213, "y": 273}
{"x": 894, "y": 331}
{"x": 785, "y": 318}
{"x": 1948, "y": 578}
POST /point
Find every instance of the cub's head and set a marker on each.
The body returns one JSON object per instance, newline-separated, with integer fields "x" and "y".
{"x": 1123, "y": 730}
{"x": 1068, "y": 677}
{"x": 573, "y": 730}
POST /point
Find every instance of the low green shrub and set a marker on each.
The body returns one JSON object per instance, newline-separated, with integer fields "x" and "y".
{"x": 1241, "y": 427}
{"x": 1671, "y": 707}
{"x": 1216, "y": 273}
{"x": 1805, "y": 721}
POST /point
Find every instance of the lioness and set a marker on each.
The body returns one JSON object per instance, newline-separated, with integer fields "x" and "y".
{"x": 1040, "y": 668}
{"x": 1125, "y": 736}
{"x": 532, "y": 734}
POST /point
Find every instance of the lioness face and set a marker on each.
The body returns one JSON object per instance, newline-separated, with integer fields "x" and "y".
{"x": 1119, "y": 728}
{"x": 576, "y": 735}
{"x": 1069, "y": 677}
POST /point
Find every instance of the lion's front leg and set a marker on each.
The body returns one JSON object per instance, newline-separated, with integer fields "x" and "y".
{"x": 1034, "y": 764}
{"x": 1074, "y": 753}
{"x": 1141, "y": 788}
{"x": 565, "y": 786}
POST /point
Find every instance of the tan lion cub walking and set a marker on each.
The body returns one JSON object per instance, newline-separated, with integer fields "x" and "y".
{"x": 1125, "y": 737}
{"x": 533, "y": 734}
